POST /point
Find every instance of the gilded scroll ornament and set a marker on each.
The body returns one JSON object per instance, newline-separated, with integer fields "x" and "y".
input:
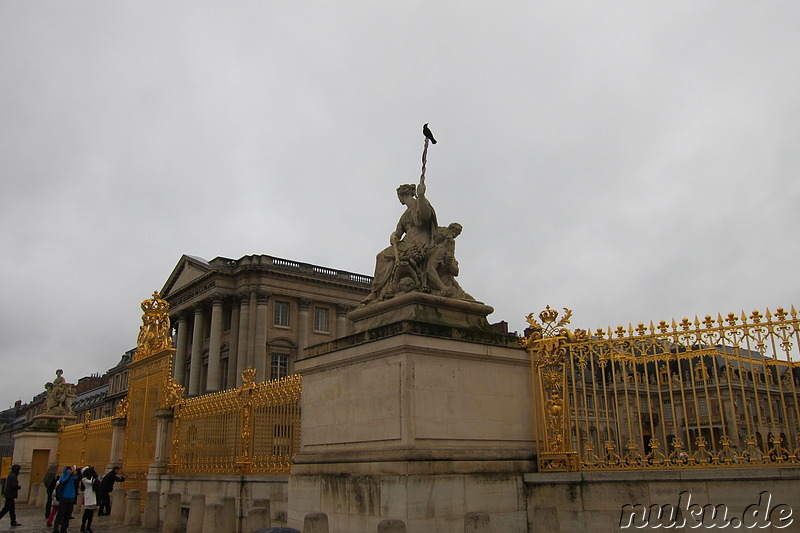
{"x": 172, "y": 394}
{"x": 122, "y": 408}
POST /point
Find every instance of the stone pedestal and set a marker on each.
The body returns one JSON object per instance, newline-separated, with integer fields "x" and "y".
{"x": 26, "y": 444}
{"x": 411, "y": 421}
{"x": 421, "y": 307}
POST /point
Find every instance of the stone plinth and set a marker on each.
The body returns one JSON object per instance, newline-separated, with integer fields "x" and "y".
{"x": 27, "y": 444}
{"x": 50, "y": 423}
{"x": 421, "y": 307}
{"x": 416, "y": 422}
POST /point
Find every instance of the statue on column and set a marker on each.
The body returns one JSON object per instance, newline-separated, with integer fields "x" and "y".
{"x": 421, "y": 254}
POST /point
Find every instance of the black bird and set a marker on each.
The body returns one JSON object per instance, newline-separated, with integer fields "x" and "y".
{"x": 427, "y": 133}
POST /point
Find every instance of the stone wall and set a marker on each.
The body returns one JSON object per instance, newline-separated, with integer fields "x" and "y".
{"x": 245, "y": 489}
{"x": 595, "y": 501}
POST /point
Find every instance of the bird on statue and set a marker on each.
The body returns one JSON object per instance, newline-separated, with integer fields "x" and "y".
{"x": 427, "y": 133}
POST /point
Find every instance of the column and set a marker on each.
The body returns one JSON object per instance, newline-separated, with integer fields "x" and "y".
{"x": 260, "y": 342}
{"x": 342, "y": 324}
{"x": 215, "y": 342}
{"x": 118, "y": 426}
{"x": 233, "y": 350}
{"x": 251, "y": 330}
{"x": 244, "y": 332}
{"x": 302, "y": 325}
{"x": 197, "y": 352}
{"x": 179, "y": 366}
{"x": 164, "y": 418}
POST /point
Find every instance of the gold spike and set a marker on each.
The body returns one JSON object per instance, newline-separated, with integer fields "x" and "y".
{"x": 696, "y": 322}
{"x": 674, "y": 324}
{"x": 652, "y": 327}
{"x": 768, "y": 314}
{"x": 744, "y": 317}
{"x": 630, "y": 329}
{"x": 794, "y": 313}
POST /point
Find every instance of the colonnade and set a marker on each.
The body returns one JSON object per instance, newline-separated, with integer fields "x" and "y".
{"x": 247, "y": 327}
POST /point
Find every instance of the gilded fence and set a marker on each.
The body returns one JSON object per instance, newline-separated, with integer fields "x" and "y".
{"x": 254, "y": 429}
{"x": 713, "y": 393}
{"x": 85, "y": 443}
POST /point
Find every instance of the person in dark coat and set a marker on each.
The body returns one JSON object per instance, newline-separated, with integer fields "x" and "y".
{"x": 106, "y": 486}
{"x": 50, "y": 479}
{"x": 10, "y": 494}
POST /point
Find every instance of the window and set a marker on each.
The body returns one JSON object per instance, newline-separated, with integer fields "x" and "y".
{"x": 282, "y": 314}
{"x": 321, "y": 319}
{"x": 280, "y": 366}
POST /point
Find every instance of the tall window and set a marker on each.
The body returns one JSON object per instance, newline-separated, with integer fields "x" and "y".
{"x": 321, "y": 319}
{"x": 282, "y": 314}
{"x": 280, "y": 366}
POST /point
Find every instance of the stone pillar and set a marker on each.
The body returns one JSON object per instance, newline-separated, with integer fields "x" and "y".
{"x": 172, "y": 514}
{"x": 342, "y": 323}
{"x": 179, "y": 366}
{"x": 197, "y": 512}
{"x": 215, "y": 343}
{"x": 41, "y": 495}
{"x": 251, "y": 330}
{"x": 197, "y": 352}
{"x": 257, "y": 518}
{"x": 302, "y": 325}
{"x": 244, "y": 330}
{"x": 33, "y": 496}
{"x": 477, "y": 522}
{"x": 260, "y": 343}
{"x": 150, "y": 520}
{"x": 119, "y": 504}
{"x": 164, "y": 419}
{"x": 217, "y": 520}
{"x": 392, "y": 526}
{"x": 117, "y": 442}
{"x": 315, "y": 523}
{"x": 133, "y": 517}
{"x": 233, "y": 347}
{"x": 229, "y": 516}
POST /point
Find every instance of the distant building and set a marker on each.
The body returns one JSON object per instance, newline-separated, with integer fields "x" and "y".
{"x": 118, "y": 382}
{"x": 257, "y": 311}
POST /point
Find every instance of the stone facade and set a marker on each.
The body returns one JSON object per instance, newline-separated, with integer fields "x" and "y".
{"x": 258, "y": 311}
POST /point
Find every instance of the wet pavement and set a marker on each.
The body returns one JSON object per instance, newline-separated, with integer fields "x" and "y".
{"x": 32, "y": 520}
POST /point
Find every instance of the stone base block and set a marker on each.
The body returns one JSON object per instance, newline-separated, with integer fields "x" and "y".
{"x": 421, "y": 307}
{"x": 423, "y": 503}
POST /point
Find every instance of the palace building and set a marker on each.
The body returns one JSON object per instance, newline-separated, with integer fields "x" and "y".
{"x": 257, "y": 311}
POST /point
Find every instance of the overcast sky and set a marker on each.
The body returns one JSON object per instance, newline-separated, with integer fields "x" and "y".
{"x": 632, "y": 161}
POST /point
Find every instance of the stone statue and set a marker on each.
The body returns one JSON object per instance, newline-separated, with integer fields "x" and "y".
{"x": 421, "y": 255}
{"x": 60, "y": 395}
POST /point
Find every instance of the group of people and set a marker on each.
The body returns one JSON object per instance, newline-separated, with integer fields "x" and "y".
{"x": 63, "y": 492}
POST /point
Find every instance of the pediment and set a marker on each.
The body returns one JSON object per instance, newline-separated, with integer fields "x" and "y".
{"x": 185, "y": 272}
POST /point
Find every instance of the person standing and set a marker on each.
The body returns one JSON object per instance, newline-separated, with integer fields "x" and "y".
{"x": 89, "y": 482}
{"x": 106, "y": 486}
{"x": 50, "y": 480}
{"x": 10, "y": 494}
{"x": 66, "y": 494}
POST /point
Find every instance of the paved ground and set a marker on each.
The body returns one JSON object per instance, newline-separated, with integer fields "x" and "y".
{"x": 32, "y": 519}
